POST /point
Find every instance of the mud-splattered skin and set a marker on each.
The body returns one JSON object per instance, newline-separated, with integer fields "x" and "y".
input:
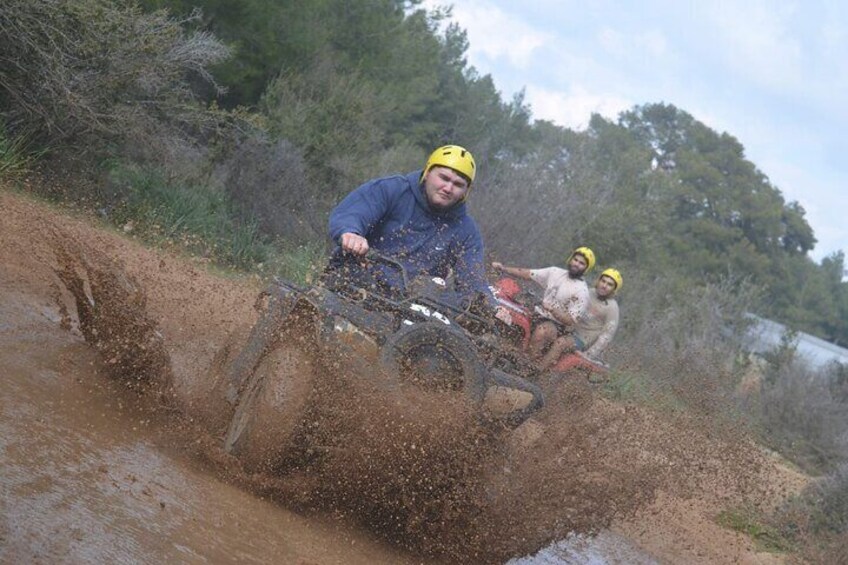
{"x": 94, "y": 470}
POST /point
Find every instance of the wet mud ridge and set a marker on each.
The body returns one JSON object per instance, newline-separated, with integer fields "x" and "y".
{"x": 415, "y": 470}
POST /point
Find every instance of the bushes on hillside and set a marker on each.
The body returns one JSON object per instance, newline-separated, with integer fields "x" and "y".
{"x": 682, "y": 340}
{"x": 337, "y": 117}
{"x": 16, "y": 153}
{"x": 340, "y": 121}
{"x": 805, "y": 412}
{"x": 99, "y": 69}
{"x": 817, "y": 520}
{"x": 266, "y": 181}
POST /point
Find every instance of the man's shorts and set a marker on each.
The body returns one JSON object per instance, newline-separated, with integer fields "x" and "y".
{"x": 561, "y": 330}
{"x": 578, "y": 343}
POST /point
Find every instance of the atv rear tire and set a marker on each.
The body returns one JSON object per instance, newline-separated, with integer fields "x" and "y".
{"x": 272, "y": 405}
{"x": 433, "y": 356}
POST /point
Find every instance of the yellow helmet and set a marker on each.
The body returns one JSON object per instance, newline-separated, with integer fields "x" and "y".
{"x": 614, "y": 275}
{"x": 587, "y": 253}
{"x": 454, "y": 157}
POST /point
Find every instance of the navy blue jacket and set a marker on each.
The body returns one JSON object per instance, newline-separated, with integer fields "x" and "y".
{"x": 393, "y": 214}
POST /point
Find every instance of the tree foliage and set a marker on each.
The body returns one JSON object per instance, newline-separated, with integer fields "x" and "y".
{"x": 323, "y": 95}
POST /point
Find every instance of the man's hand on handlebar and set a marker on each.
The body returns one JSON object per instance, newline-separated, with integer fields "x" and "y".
{"x": 354, "y": 243}
{"x": 503, "y": 315}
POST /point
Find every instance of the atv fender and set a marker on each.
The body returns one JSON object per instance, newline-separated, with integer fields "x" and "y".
{"x": 280, "y": 306}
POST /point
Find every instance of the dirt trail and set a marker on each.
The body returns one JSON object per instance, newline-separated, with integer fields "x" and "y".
{"x": 97, "y": 470}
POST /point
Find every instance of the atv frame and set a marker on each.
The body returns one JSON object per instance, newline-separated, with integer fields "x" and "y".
{"x": 423, "y": 335}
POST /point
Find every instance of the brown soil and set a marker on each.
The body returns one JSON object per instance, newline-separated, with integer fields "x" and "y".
{"x": 120, "y": 346}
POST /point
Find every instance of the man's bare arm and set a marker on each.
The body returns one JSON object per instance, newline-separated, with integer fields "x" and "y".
{"x": 519, "y": 272}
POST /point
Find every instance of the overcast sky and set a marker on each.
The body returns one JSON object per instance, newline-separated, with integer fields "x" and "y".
{"x": 774, "y": 74}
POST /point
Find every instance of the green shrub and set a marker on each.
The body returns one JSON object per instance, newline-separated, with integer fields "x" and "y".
{"x": 756, "y": 525}
{"x": 829, "y": 501}
{"x": 297, "y": 263}
{"x": 804, "y": 413}
{"x": 340, "y": 120}
{"x": 817, "y": 520}
{"x": 16, "y": 154}
{"x": 101, "y": 67}
{"x": 266, "y": 181}
{"x": 642, "y": 388}
{"x": 194, "y": 217}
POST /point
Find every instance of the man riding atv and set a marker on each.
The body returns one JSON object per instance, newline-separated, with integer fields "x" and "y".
{"x": 420, "y": 219}
{"x": 383, "y": 304}
{"x": 565, "y": 299}
{"x": 592, "y": 332}
{"x": 597, "y": 325}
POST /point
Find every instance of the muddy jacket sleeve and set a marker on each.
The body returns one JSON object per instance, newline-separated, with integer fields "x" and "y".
{"x": 363, "y": 208}
{"x": 469, "y": 267}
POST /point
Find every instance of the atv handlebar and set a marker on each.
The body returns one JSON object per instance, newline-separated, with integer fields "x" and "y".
{"x": 378, "y": 257}
{"x": 402, "y": 290}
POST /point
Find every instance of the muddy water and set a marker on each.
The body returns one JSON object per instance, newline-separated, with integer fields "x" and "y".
{"x": 90, "y": 475}
{"x": 603, "y": 548}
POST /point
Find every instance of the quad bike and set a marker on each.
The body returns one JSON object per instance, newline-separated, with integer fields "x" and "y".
{"x": 516, "y": 312}
{"x": 422, "y": 334}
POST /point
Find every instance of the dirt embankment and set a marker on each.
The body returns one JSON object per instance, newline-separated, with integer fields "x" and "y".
{"x": 414, "y": 472}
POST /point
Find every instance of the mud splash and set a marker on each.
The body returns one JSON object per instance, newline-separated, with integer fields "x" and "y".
{"x": 111, "y": 313}
{"x": 416, "y": 469}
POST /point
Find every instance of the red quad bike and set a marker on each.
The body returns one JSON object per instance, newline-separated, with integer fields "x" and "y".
{"x": 517, "y": 312}
{"x": 416, "y": 333}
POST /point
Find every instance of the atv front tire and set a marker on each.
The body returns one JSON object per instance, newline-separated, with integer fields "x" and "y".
{"x": 433, "y": 356}
{"x": 271, "y": 406}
